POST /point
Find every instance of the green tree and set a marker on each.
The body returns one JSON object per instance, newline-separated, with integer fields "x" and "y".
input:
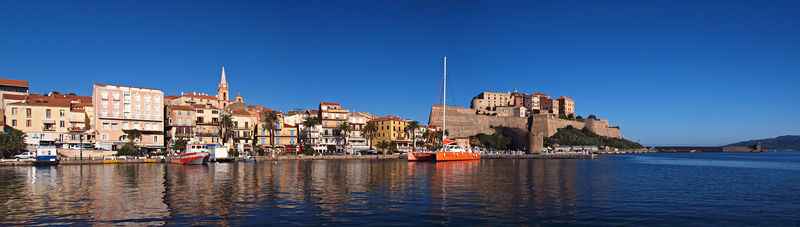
{"x": 382, "y": 146}
{"x": 131, "y": 135}
{"x": 370, "y": 129}
{"x": 270, "y": 120}
{"x": 12, "y": 142}
{"x": 180, "y": 144}
{"x": 411, "y": 129}
{"x": 225, "y": 126}
{"x": 344, "y": 131}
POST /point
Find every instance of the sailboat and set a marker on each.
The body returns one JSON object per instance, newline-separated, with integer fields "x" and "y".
{"x": 450, "y": 151}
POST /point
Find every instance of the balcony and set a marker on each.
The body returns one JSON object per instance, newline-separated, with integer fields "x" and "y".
{"x": 48, "y": 128}
{"x": 207, "y": 134}
{"x": 77, "y": 129}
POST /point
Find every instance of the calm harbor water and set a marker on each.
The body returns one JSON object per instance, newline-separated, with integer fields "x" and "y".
{"x": 660, "y": 189}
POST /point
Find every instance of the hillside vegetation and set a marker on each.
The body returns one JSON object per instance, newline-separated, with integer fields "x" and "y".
{"x": 571, "y": 136}
{"x": 790, "y": 143}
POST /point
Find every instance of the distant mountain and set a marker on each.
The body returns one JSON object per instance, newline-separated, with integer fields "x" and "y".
{"x": 791, "y": 143}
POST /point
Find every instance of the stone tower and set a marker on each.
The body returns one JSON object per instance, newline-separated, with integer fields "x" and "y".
{"x": 222, "y": 91}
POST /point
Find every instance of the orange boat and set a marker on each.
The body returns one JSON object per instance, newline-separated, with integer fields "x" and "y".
{"x": 450, "y": 151}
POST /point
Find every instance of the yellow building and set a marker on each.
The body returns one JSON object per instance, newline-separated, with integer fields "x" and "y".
{"x": 51, "y": 120}
{"x": 284, "y": 137}
{"x": 243, "y": 125}
{"x": 566, "y": 106}
{"x": 206, "y": 124}
{"x": 331, "y": 115}
{"x": 391, "y": 129}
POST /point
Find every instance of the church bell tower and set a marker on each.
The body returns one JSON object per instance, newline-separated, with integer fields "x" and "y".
{"x": 222, "y": 91}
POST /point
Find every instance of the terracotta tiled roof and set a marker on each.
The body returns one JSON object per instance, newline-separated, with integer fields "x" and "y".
{"x": 288, "y": 126}
{"x": 77, "y": 110}
{"x": 182, "y": 108}
{"x": 47, "y": 102}
{"x": 17, "y": 83}
{"x": 387, "y": 118}
{"x": 200, "y": 96}
{"x": 240, "y": 112}
{"x": 564, "y": 97}
{"x": 330, "y": 103}
{"x": 13, "y": 96}
{"x": 171, "y": 97}
{"x": 314, "y": 112}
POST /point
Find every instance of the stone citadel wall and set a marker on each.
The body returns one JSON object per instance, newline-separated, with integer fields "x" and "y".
{"x": 462, "y": 122}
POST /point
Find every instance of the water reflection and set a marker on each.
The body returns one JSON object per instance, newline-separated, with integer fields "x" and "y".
{"x": 290, "y": 192}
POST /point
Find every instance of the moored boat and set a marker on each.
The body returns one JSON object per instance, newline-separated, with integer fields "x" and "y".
{"x": 195, "y": 154}
{"x": 450, "y": 151}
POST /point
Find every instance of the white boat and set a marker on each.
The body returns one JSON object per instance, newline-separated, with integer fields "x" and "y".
{"x": 195, "y": 154}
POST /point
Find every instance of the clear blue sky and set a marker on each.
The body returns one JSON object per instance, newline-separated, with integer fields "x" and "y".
{"x": 667, "y": 72}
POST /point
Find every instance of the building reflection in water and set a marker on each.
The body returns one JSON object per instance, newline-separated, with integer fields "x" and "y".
{"x": 287, "y": 192}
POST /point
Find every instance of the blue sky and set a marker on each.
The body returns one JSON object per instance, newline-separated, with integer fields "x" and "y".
{"x": 667, "y": 72}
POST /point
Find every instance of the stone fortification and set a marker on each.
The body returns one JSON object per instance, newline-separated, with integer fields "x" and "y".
{"x": 462, "y": 122}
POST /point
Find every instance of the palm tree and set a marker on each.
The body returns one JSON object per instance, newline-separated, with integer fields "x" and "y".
{"x": 344, "y": 131}
{"x": 131, "y": 135}
{"x": 370, "y": 129}
{"x": 180, "y": 143}
{"x": 225, "y": 126}
{"x": 382, "y": 146}
{"x": 270, "y": 119}
{"x": 411, "y": 129}
{"x": 309, "y": 123}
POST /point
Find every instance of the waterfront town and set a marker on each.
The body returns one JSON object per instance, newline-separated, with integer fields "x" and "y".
{"x": 102, "y": 123}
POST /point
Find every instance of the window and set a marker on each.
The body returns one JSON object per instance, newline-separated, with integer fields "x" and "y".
{"x": 199, "y": 111}
{"x": 106, "y": 125}
{"x": 61, "y": 124}
{"x": 263, "y": 141}
{"x": 116, "y": 95}
{"x": 155, "y": 139}
{"x": 278, "y": 141}
{"x": 277, "y": 133}
{"x": 47, "y": 113}
{"x": 13, "y": 123}
{"x": 104, "y": 103}
{"x": 28, "y": 123}
{"x": 124, "y": 125}
{"x": 214, "y": 112}
{"x": 180, "y": 121}
{"x": 14, "y": 111}
{"x": 291, "y": 141}
{"x": 104, "y": 136}
{"x": 200, "y": 120}
{"x": 291, "y": 132}
{"x": 114, "y": 126}
{"x": 28, "y": 112}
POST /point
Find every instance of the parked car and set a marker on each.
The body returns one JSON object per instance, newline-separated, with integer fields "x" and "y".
{"x": 26, "y": 155}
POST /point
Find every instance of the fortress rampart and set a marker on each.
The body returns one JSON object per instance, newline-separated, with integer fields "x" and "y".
{"x": 462, "y": 122}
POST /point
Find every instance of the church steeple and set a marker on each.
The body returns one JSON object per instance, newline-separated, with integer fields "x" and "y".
{"x": 223, "y": 81}
{"x": 222, "y": 90}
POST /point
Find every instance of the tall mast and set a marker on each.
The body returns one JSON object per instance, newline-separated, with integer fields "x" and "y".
{"x": 444, "y": 99}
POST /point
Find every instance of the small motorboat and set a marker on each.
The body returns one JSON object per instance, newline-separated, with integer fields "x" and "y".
{"x": 250, "y": 159}
{"x": 195, "y": 154}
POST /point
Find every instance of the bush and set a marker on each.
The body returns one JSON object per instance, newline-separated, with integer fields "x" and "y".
{"x": 570, "y": 136}
{"x": 233, "y": 153}
{"x": 127, "y": 150}
{"x": 496, "y": 141}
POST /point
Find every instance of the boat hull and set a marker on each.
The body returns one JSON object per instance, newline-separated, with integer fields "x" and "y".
{"x": 195, "y": 158}
{"x": 442, "y": 156}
